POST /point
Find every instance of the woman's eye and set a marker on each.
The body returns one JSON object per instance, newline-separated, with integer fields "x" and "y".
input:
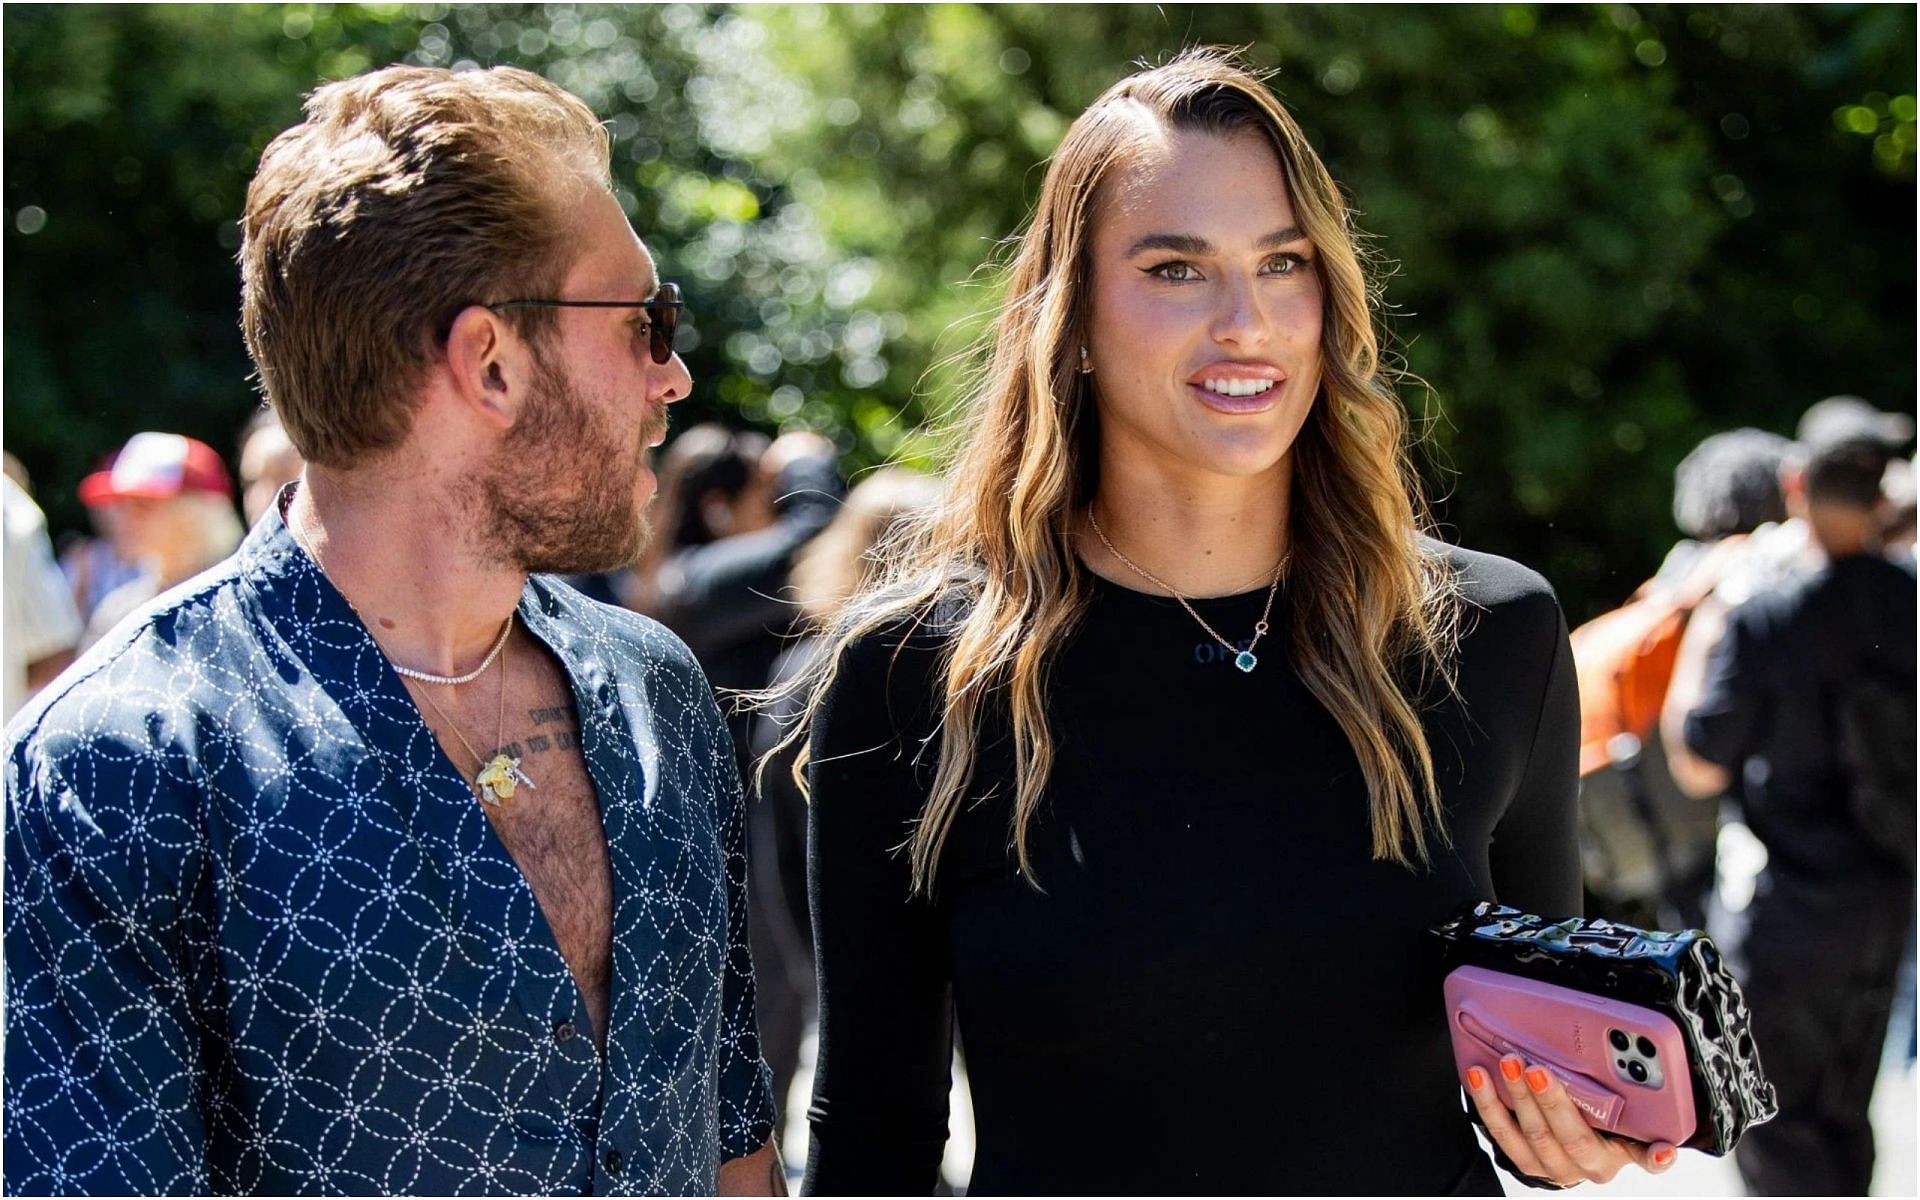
{"x": 1174, "y": 272}
{"x": 1286, "y": 264}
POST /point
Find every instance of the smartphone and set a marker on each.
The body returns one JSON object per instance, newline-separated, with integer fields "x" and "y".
{"x": 1624, "y": 1065}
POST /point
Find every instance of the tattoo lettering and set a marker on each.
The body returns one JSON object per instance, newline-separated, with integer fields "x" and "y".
{"x": 538, "y": 741}
{"x": 545, "y": 716}
{"x": 566, "y": 739}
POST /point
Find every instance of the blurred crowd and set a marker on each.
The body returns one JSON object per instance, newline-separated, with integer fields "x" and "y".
{"x": 1745, "y": 713}
{"x": 1747, "y": 762}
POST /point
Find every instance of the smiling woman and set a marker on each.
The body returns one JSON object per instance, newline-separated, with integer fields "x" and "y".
{"x": 1190, "y": 729}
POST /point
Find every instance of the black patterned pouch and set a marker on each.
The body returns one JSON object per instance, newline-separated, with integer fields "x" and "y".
{"x": 1679, "y": 974}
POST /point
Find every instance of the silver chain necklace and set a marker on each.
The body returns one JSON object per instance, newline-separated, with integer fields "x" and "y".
{"x": 1243, "y": 659}
{"x": 498, "y": 777}
{"x": 499, "y": 643}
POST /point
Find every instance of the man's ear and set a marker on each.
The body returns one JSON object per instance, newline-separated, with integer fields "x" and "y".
{"x": 490, "y": 365}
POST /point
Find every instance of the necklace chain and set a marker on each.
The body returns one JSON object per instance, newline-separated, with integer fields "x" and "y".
{"x": 1244, "y": 659}
{"x": 497, "y": 778}
{"x": 499, "y": 643}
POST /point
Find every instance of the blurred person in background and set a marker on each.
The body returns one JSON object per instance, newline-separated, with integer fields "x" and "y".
{"x": 42, "y": 626}
{"x": 172, "y": 502}
{"x": 1649, "y": 846}
{"x": 1150, "y": 757}
{"x": 379, "y": 811}
{"x": 827, "y": 571}
{"x": 268, "y": 462}
{"x": 706, "y": 472}
{"x": 744, "y": 510}
{"x": 1896, "y": 534}
{"x": 742, "y": 517}
{"x": 96, "y": 563}
{"x": 1808, "y": 698}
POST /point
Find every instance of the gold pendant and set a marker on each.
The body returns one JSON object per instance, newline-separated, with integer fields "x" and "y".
{"x": 501, "y": 777}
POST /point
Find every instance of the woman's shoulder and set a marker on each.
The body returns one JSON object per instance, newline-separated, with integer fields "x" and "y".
{"x": 1489, "y": 582}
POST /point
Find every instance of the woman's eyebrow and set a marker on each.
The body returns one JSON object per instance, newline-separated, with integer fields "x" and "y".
{"x": 1179, "y": 243}
{"x": 1188, "y": 243}
{"x": 1280, "y": 237}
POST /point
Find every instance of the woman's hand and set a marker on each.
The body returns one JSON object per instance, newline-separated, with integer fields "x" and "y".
{"x": 1528, "y": 1113}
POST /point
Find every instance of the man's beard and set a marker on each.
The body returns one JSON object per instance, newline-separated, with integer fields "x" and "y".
{"x": 558, "y": 495}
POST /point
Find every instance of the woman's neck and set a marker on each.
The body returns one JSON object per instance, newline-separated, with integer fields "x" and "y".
{"x": 1208, "y": 536}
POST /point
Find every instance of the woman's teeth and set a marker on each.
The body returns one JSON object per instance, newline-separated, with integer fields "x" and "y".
{"x": 1236, "y": 387}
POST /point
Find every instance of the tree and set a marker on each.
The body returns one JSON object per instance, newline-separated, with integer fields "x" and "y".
{"x": 1616, "y": 229}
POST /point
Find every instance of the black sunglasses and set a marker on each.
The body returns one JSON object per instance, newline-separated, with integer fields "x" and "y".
{"x": 663, "y": 315}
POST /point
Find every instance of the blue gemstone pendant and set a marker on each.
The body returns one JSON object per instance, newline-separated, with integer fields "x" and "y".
{"x": 1246, "y": 661}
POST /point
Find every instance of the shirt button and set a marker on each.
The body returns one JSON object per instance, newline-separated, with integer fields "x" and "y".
{"x": 563, "y": 1032}
{"x": 613, "y": 1162}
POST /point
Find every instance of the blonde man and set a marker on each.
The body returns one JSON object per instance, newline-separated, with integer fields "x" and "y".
{"x": 374, "y": 861}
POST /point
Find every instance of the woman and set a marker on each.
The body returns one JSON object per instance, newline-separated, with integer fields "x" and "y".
{"x": 1181, "y": 729}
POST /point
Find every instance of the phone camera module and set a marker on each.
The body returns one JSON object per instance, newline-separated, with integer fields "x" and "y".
{"x": 1638, "y": 1070}
{"x": 1619, "y": 1039}
{"x": 1646, "y": 1047}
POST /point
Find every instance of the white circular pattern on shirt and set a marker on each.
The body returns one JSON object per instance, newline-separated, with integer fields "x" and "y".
{"x": 260, "y": 939}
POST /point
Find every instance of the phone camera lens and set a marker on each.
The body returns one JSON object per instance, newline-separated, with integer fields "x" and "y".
{"x": 1647, "y": 1049}
{"x": 1638, "y": 1070}
{"x": 1618, "y": 1038}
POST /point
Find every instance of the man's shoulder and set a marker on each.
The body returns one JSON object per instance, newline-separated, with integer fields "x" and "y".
{"x": 147, "y": 665}
{"x": 635, "y": 640}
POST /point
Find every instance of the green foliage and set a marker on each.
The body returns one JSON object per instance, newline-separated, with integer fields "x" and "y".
{"x": 1610, "y": 230}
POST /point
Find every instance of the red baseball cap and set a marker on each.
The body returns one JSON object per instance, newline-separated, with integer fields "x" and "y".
{"x": 156, "y": 466}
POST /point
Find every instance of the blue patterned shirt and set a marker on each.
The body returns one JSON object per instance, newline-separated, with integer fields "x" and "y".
{"x": 259, "y": 936}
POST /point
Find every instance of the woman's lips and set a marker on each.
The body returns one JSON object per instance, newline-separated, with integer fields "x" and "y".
{"x": 1228, "y": 402}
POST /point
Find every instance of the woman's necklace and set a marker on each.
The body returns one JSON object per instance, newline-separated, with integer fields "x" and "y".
{"x": 1244, "y": 659}
{"x": 500, "y": 776}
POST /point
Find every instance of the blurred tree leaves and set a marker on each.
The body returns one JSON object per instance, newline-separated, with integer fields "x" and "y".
{"x": 1612, "y": 229}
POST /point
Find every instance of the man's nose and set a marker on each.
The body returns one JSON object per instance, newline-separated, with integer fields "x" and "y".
{"x": 672, "y": 382}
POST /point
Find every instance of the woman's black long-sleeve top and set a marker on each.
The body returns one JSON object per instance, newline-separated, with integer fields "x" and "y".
{"x": 1219, "y": 990}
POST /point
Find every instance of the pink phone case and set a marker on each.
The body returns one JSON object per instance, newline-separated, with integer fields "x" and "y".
{"x": 1623, "y": 1065}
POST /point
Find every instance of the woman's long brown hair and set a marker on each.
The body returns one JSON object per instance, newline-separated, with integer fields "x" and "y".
{"x": 1374, "y": 614}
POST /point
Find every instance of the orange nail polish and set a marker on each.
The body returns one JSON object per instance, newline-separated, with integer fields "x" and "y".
{"x": 1662, "y": 1157}
{"x": 1537, "y": 1079}
{"x": 1510, "y": 1067}
{"x": 1476, "y": 1078}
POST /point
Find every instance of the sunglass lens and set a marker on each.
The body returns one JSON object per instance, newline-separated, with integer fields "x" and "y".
{"x": 666, "y": 322}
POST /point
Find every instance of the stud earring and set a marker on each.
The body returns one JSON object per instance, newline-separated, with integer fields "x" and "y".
{"x": 1086, "y": 368}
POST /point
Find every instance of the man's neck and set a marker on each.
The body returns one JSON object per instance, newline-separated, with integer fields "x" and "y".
{"x": 1200, "y": 535}
{"x": 1840, "y": 532}
{"x": 403, "y": 554}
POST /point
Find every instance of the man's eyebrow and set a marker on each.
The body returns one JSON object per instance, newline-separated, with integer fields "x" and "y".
{"x": 1187, "y": 243}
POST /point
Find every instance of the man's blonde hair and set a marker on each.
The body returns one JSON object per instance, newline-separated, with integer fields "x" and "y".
{"x": 407, "y": 194}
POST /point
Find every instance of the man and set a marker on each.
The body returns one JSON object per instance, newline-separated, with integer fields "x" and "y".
{"x": 1802, "y": 696}
{"x": 372, "y": 861}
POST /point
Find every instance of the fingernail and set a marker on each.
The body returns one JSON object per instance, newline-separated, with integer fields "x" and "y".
{"x": 1476, "y": 1078}
{"x": 1662, "y": 1157}
{"x": 1510, "y": 1067}
{"x": 1537, "y": 1079}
